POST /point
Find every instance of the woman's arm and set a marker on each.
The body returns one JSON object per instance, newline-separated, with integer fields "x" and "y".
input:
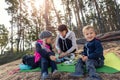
{"x": 74, "y": 45}
{"x": 57, "y": 44}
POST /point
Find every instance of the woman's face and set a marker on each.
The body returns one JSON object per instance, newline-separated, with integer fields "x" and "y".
{"x": 63, "y": 33}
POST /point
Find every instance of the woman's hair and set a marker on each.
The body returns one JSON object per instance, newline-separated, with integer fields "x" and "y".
{"x": 62, "y": 27}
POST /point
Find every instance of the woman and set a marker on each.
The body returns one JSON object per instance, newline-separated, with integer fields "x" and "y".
{"x": 65, "y": 42}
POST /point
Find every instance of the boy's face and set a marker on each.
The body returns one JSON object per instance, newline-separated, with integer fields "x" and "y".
{"x": 49, "y": 40}
{"x": 89, "y": 34}
{"x": 63, "y": 33}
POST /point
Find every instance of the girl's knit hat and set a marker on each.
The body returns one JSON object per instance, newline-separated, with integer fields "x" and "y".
{"x": 45, "y": 34}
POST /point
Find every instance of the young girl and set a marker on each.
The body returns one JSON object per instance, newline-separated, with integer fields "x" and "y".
{"x": 44, "y": 54}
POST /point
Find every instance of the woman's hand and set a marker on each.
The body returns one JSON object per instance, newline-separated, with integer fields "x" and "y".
{"x": 63, "y": 55}
{"x": 59, "y": 51}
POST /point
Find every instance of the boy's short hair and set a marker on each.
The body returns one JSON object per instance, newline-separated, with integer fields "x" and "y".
{"x": 87, "y": 28}
{"x": 62, "y": 27}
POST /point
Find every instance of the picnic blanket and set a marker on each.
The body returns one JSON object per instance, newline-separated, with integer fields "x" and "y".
{"x": 112, "y": 65}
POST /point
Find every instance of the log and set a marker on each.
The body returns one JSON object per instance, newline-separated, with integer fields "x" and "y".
{"x": 109, "y": 34}
{"x": 114, "y": 38}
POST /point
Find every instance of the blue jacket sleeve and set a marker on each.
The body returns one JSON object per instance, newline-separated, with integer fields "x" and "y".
{"x": 84, "y": 51}
{"x": 98, "y": 51}
{"x": 43, "y": 52}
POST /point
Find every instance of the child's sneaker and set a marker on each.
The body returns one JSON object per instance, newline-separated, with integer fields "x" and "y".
{"x": 44, "y": 76}
{"x": 94, "y": 78}
{"x": 55, "y": 74}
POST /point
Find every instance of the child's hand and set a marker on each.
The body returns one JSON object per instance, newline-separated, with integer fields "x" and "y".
{"x": 53, "y": 58}
{"x": 84, "y": 58}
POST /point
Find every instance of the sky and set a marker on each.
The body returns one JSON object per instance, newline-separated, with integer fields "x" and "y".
{"x": 4, "y": 17}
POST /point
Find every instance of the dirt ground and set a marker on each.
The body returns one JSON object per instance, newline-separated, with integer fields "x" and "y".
{"x": 6, "y": 70}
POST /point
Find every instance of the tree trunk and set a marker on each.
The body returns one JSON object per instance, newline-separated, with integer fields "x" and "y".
{"x": 36, "y": 29}
{"x": 19, "y": 26}
{"x": 117, "y": 15}
{"x": 12, "y": 35}
{"x": 100, "y": 22}
{"x": 78, "y": 16}
{"x": 57, "y": 14}
{"x": 18, "y": 33}
{"x": 78, "y": 21}
{"x": 20, "y": 45}
{"x": 1, "y": 49}
{"x": 81, "y": 11}
{"x": 46, "y": 13}
{"x": 23, "y": 40}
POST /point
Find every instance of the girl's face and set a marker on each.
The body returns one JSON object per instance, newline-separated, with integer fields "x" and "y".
{"x": 49, "y": 40}
{"x": 63, "y": 33}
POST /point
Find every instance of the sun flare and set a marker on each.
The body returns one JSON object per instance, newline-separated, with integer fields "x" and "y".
{"x": 39, "y": 3}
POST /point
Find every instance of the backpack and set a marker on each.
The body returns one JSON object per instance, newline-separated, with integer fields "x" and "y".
{"x": 30, "y": 61}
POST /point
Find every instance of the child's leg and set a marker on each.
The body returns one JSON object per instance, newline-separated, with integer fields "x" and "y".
{"x": 79, "y": 68}
{"x": 99, "y": 63}
{"x": 53, "y": 66}
{"x": 44, "y": 65}
{"x": 90, "y": 65}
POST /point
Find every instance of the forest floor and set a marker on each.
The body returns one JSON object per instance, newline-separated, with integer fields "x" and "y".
{"x": 7, "y": 69}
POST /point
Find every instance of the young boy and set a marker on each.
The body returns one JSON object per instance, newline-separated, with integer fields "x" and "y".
{"x": 47, "y": 56}
{"x": 65, "y": 42}
{"x": 92, "y": 55}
